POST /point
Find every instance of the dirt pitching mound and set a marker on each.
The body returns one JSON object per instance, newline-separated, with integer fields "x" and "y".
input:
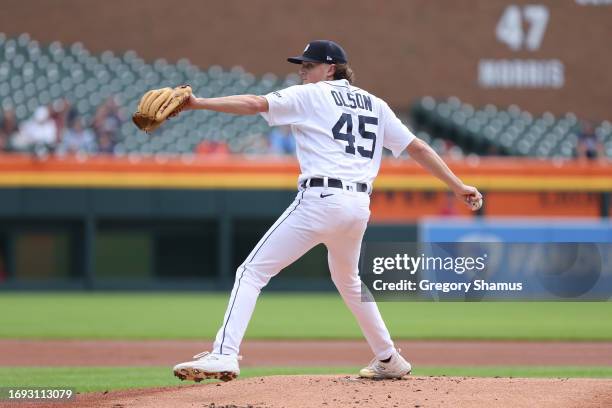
{"x": 348, "y": 391}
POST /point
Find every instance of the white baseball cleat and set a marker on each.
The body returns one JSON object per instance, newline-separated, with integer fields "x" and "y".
{"x": 397, "y": 367}
{"x": 208, "y": 365}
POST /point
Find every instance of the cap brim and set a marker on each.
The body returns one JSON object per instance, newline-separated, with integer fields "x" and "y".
{"x": 300, "y": 59}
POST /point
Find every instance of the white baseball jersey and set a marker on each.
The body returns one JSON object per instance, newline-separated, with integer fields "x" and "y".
{"x": 339, "y": 129}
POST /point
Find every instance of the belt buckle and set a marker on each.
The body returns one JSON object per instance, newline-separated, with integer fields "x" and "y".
{"x": 350, "y": 186}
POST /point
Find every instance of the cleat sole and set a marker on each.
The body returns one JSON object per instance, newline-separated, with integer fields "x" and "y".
{"x": 383, "y": 377}
{"x": 193, "y": 374}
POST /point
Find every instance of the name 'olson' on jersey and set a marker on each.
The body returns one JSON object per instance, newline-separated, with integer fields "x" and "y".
{"x": 355, "y": 100}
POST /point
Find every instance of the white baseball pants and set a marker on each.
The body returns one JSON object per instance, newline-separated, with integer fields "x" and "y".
{"x": 332, "y": 216}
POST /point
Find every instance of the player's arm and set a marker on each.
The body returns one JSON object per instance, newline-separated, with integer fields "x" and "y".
{"x": 429, "y": 159}
{"x": 236, "y": 104}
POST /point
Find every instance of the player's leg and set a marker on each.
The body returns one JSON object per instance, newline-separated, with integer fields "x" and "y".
{"x": 343, "y": 258}
{"x": 344, "y": 245}
{"x": 291, "y": 236}
{"x": 286, "y": 241}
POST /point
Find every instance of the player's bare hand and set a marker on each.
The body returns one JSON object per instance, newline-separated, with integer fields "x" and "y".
{"x": 470, "y": 196}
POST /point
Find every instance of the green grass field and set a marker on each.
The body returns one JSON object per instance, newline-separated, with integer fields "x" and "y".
{"x": 86, "y": 379}
{"x": 290, "y": 316}
{"x": 279, "y": 316}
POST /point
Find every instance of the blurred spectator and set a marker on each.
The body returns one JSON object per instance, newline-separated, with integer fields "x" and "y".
{"x": 251, "y": 143}
{"x": 106, "y": 144}
{"x": 588, "y": 147}
{"x": 62, "y": 113}
{"x": 281, "y": 140}
{"x": 211, "y": 147}
{"x": 8, "y": 130}
{"x": 108, "y": 120}
{"x": 38, "y": 134}
{"x": 77, "y": 139}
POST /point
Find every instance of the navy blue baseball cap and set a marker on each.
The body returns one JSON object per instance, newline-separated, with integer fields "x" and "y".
{"x": 321, "y": 51}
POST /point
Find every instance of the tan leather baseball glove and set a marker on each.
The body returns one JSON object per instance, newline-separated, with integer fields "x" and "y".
{"x": 157, "y": 105}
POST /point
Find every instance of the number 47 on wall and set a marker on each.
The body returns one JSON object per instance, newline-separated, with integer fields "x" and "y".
{"x": 510, "y": 31}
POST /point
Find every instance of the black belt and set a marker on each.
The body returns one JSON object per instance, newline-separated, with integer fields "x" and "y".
{"x": 335, "y": 183}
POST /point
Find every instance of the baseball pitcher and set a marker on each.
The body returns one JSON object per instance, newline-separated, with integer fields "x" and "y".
{"x": 340, "y": 132}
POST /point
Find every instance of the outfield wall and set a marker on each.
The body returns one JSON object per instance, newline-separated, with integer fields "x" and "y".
{"x": 403, "y": 191}
{"x": 552, "y": 259}
{"x": 174, "y": 223}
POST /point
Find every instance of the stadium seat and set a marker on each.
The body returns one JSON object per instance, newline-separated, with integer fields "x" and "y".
{"x": 32, "y": 74}
{"x": 510, "y": 131}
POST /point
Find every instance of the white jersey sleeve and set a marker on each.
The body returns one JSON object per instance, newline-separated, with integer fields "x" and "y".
{"x": 396, "y": 135}
{"x": 287, "y": 106}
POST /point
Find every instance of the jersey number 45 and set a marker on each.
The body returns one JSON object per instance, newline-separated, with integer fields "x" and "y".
{"x": 347, "y": 119}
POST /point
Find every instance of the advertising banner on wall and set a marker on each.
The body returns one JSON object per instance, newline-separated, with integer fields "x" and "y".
{"x": 492, "y": 260}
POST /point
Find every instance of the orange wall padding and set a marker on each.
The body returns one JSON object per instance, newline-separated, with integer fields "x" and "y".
{"x": 491, "y": 174}
{"x": 403, "y": 191}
